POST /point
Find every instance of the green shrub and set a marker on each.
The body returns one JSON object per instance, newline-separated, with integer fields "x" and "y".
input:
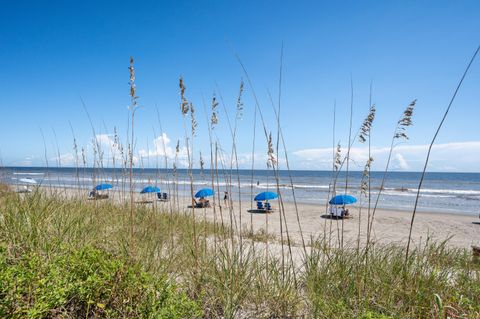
{"x": 86, "y": 283}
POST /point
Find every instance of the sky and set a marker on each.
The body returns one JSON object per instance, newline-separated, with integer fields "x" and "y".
{"x": 65, "y": 77}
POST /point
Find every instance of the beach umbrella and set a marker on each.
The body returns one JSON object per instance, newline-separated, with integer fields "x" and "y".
{"x": 101, "y": 187}
{"x": 28, "y": 181}
{"x": 150, "y": 189}
{"x": 205, "y": 192}
{"x": 342, "y": 200}
{"x": 265, "y": 196}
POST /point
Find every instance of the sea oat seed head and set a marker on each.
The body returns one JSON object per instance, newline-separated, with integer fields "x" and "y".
{"x": 367, "y": 125}
{"x": 214, "y": 118}
{"x": 194, "y": 122}
{"x": 271, "y": 155}
{"x": 405, "y": 121}
{"x": 184, "y": 102}
{"x": 239, "y": 102}
{"x": 338, "y": 157}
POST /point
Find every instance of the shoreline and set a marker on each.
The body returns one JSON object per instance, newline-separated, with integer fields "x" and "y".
{"x": 408, "y": 210}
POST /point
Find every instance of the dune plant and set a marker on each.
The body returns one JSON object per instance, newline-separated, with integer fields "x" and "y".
{"x": 347, "y": 171}
{"x": 131, "y": 148}
{"x": 364, "y": 136}
{"x": 399, "y": 134}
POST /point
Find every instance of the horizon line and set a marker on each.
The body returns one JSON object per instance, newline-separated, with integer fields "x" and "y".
{"x": 240, "y": 169}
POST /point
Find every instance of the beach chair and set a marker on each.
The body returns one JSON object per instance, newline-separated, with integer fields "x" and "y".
{"x": 202, "y": 204}
{"x": 268, "y": 207}
{"x": 336, "y": 212}
{"x": 163, "y": 197}
{"x": 260, "y": 206}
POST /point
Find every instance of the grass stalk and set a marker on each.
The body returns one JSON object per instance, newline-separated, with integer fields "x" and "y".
{"x": 430, "y": 149}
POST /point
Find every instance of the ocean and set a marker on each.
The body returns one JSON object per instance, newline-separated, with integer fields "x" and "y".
{"x": 441, "y": 192}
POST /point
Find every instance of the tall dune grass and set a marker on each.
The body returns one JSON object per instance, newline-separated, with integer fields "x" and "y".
{"x": 228, "y": 286}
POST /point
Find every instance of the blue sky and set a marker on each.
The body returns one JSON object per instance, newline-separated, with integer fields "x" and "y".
{"x": 56, "y": 53}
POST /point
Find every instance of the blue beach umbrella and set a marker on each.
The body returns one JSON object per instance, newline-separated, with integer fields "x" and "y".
{"x": 205, "y": 192}
{"x": 342, "y": 200}
{"x": 101, "y": 187}
{"x": 150, "y": 189}
{"x": 265, "y": 196}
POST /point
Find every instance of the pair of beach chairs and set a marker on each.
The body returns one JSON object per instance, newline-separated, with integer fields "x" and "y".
{"x": 95, "y": 195}
{"x": 201, "y": 204}
{"x": 339, "y": 212}
{"x": 163, "y": 197}
{"x": 261, "y": 207}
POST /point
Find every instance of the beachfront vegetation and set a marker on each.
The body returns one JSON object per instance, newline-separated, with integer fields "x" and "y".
{"x": 71, "y": 258}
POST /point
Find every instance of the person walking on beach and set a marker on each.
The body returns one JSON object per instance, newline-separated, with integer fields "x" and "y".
{"x": 225, "y": 199}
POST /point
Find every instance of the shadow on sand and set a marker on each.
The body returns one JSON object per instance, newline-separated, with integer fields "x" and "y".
{"x": 328, "y": 216}
{"x": 260, "y": 211}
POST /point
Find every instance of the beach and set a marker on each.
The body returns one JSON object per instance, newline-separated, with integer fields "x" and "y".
{"x": 389, "y": 226}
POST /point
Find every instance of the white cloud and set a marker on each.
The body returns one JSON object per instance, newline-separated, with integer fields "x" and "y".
{"x": 459, "y": 156}
{"x": 162, "y": 148}
{"x": 66, "y": 159}
{"x": 400, "y": 163}
{"x": 453, "y": 157}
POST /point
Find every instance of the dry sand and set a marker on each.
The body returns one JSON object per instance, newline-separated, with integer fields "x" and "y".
{"x": 389, "y": 226}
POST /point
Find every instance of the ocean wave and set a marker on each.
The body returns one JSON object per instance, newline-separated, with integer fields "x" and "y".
{"x": 186, "y": 181}
{"x": 423, "y": 191}
{"x": 393, "y": 193}
{"x": 451, "y": 191}
{"x": 27, "y": 173}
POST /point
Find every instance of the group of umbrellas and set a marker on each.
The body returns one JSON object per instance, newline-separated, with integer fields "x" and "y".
{"x": 336, "y": 200}
{"x": 146, "y": 189}
{"x": 266, "y": 196}
{"x": 263, "y": 196}
{"x": 206, "y": 192}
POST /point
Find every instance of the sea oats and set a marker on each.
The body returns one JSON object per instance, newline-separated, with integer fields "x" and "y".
{"x": 271, "y": 155}
{"x": 405, "y": 121}
{"x": 193, "y": 120}
{"x": 365, "y": 177}
{"x": 338, "y": 157}
{"x": 214, "y": 118}
{"x": 133, "y": 88}
{"x": 367, "y": 125}
{"x": 184, "y": 102}
{"x": 239, "y": 102}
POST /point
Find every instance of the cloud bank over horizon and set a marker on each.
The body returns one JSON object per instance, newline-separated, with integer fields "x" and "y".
{"x": 448, "y": 157}
{"x": 445, "y": 157}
